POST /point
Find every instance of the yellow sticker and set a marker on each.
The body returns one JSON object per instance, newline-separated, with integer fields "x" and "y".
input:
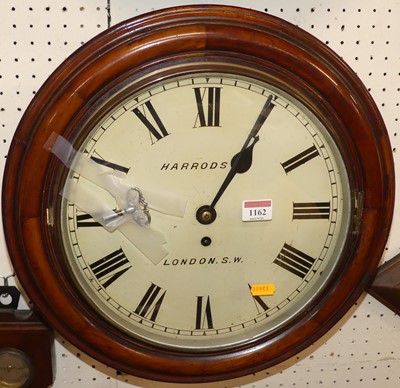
{"x": 262, "y": 289}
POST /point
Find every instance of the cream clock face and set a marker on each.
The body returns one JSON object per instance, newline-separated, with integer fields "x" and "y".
{"x": 254, "y": 258}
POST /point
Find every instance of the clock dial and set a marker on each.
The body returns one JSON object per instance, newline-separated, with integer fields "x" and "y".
{"x": 182, "y": 136}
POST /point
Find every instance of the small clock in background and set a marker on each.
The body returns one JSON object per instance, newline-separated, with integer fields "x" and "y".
{"x": 26, "y": 350}
{"x": 16, "y": 370}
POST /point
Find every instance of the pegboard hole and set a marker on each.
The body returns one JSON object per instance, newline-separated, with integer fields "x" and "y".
{"x": 5, "y": 299}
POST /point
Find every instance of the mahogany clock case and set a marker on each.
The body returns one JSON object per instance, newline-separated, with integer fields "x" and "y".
{"x": 141, "y": 52}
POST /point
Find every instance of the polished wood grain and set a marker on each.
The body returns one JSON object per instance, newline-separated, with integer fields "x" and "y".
{"x": 151, "y": 47}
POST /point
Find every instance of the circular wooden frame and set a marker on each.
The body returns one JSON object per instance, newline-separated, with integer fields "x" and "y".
{"x": 150, "y": 47}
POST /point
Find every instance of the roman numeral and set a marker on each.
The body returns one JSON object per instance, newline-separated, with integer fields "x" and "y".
{"x": 151, "y": 302}
{"x": 311, "y": 210}
{"x": 208, "y": 101}
{"x": 111, "y": 267}
{"x": 294, "y": 261}
{"x": 85, "y": 220}
{"x": 203, "y": 313}
{"x": 155, "y": 126}
{"x": 259, "y": 302}
{"x": 301, "y": 158}
{"x": 110, "y": 164}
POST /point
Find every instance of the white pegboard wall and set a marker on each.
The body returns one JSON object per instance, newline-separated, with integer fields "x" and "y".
{"x": 36, "y": 36}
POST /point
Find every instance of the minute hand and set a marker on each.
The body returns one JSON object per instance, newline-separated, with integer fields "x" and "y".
{"x": 237, "y": 165}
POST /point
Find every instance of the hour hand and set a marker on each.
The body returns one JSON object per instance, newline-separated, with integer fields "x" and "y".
{"x": 242, "y": 161}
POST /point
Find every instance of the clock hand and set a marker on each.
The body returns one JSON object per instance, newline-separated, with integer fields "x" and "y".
{"x": 245, "y": 159}
{"x": 241, "y": 162}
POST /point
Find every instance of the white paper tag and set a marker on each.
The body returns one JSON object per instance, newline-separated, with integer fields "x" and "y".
{"x": 257, "y": 210}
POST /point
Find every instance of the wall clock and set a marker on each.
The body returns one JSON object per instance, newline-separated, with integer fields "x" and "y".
{"x": 198, "y": 193}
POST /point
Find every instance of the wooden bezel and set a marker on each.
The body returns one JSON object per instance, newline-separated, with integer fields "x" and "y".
{"x": 151, "y": 46}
